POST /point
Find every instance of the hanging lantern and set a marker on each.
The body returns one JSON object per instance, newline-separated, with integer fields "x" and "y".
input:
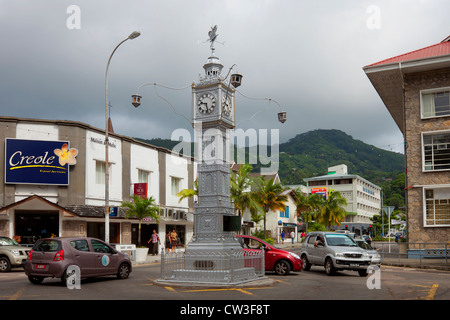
{"x": 236, "y": 79}
{"x": 136, "y": 100}
{"x": 282, "y": 117}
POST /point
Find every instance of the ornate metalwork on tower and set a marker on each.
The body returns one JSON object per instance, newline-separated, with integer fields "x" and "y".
{"x": 214, "y": 246}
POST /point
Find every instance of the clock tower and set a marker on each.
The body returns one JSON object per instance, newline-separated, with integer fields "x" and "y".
{"x": 213, "y": 118}
{"x": 214, "y": 253}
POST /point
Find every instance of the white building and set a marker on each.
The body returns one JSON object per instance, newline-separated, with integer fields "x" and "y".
{"x": 34, "y": 205}
{"x": 363, "y": 197}
{"x": 277, "y": 221}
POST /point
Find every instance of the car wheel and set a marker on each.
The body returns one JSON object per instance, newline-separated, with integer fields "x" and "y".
{"x": 329, "y": 267}
{"x": 35, "y": 279}
{"x": 5, "y": 265}
{"x": 363, "y": 272}
{"x": 306, "y": 264}
{"x": 124, "y": 271}
{"x": 282, "y": 268}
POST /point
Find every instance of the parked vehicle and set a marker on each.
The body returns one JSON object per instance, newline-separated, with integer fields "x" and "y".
{"x": 275, "y": 259}
{"x": 335, "y": 251}
{"x": 373, "y": 254}
{"x": 52, "y": 256}
{"x": 12, "y": 254}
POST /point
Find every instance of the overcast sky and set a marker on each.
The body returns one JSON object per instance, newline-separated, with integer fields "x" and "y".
{"x": 306, "y": 55}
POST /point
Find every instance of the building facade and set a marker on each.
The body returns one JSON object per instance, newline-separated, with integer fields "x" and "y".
{"x": 415, "y": 88}
{"x": 363, "y": 197}
{"x": 34, "y": 205}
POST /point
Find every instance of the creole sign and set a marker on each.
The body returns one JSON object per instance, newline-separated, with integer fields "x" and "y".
{"x": 38, "y": 161}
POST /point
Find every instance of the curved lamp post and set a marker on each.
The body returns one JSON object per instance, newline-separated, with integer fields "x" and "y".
{"x": 133, "y": 35}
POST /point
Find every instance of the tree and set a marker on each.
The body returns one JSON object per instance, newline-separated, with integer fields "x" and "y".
{"x": 269, "y": 196}
{"x": 187, "y": 193}
{"x": 332, "y": 211}
{"x": 240, "y": 190}
{"x": 308, "y": 206}
{"x": 141, "y": 208}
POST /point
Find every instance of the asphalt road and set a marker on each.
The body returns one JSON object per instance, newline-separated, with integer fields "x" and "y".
{"x": 388, "y": 283}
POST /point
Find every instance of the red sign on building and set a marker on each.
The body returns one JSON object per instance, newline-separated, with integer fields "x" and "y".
{"x": 140, "y": 189}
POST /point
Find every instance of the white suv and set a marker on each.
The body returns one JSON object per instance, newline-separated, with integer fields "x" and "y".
{"x": 335, "y": 251}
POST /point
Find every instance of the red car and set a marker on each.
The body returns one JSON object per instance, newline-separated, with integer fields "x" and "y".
{"x": 278, "y": 260}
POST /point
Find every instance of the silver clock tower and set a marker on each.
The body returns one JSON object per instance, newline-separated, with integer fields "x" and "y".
{"x": 214, "y": 254}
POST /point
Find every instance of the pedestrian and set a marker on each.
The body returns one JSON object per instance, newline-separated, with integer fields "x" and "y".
{"x": 155, "y": 240}
{"x": 282, "y": 237}
{"x": 368, "y": 239}
{"x": 173, "y": 240}
{"x": 303, "y": 235}
{"x": 168, "y": 244}
{"x": 292, "y": 236}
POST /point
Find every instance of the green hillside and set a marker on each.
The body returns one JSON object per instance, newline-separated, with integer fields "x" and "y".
{"x": 310, "y": 154}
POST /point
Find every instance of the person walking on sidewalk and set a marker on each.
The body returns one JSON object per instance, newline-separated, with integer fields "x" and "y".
{"x": 292, "y": 236}
{"x": 155, "y": 240}
{"x": 173, "y": 240}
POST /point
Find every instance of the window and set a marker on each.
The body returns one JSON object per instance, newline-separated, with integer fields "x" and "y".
{"x": 435, "y": 103}
{"x": 80, "y": 245}
{"x": 176, "y": 183}
{"x": 100, "y": 247}
{"x": 437, "y": 207}
{"x": 436, "y": 151}
{"x": 143, "y": 176}
{"x": 285, "y": 213}
{"x": 100, "y": 172}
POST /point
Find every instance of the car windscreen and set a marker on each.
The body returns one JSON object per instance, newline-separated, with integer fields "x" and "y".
{"x": 364, "y": 245}
{"x": 8, "y": 242}
{"x": 47, "y": 245}
{"x": 339, "y": 240}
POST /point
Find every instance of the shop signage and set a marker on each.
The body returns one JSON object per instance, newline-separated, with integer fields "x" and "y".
{"x": 140, "y": 189}
{"x": 321, "y": 191}
{"x": 38, "y": 161}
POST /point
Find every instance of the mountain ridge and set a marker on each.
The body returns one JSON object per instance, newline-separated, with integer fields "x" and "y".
{"x": 310, "y": 153}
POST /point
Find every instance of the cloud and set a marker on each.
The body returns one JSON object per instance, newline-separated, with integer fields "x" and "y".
{"x": 308, "y": 56}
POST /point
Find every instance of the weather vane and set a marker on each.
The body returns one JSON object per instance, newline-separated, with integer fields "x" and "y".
{"x": 212, "y": 34}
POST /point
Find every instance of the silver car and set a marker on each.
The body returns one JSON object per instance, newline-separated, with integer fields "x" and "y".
{"x": 373, "y": 254}
{"x": 335, "y": 251}
{"x": 12, "y": 254}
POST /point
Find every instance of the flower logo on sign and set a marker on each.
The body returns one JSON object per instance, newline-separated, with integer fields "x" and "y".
{"x": 66, "y": 155}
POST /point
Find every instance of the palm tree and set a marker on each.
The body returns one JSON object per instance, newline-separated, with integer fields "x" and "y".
{"x": 187, "y": 193}
{"x": 332, "y": 211}
{"x": 240, "y": 190}
{"x": 140, "y": 208}
{"x": 308, "y": 206}
{"x": 269, "y": 196}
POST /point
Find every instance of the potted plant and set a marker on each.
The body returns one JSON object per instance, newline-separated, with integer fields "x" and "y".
{"x": 141, "y": 208}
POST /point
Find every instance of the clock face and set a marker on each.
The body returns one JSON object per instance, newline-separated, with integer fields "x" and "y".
{"x": 226, "y": 102}
{"x": 206, "y": 103}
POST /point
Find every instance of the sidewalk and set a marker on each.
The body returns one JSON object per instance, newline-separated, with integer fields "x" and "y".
{"x": 437, "y": 264}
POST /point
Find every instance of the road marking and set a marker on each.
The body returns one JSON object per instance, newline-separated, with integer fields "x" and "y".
{"x": 17, "y": 295}
{"x": 432, "y": 292}
{"x": 170, "y": 289}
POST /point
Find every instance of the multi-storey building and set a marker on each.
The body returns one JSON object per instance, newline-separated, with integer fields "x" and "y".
{"x": 415, "y": 88}
{"x": 41, "y": 197}
{"x": 363, "y": 197}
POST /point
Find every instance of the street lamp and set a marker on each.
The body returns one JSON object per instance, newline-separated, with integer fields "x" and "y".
{"x": 133, "y": 35}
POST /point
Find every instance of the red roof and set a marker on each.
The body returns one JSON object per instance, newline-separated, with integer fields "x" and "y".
{"x": 439, "y": 49}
